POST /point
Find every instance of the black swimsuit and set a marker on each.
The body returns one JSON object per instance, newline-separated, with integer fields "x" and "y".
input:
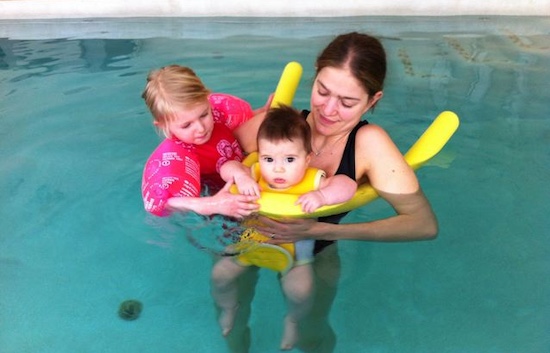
{"x": 346, "y": 167}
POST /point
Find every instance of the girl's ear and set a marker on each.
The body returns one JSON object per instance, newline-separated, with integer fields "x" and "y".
{"x": 161, "y": 129}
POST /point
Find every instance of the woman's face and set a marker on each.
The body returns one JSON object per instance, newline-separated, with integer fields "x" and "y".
{"x": 193, "y": 125}
{"x": 338, "y": 101}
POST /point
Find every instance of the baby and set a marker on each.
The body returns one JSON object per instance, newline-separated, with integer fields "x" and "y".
{"x": 284, "y": 152}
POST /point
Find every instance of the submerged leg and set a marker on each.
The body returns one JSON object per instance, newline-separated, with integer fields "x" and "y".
{"x": 298, "y": 288}
{"x": 238, "y": 296}
{"x": 225, "y": 275}
{"x": 316, "y": 334}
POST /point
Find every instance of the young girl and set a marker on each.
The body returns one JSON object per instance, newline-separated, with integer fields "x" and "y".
{"x": 284, "y": 152}
{"x": 200, "y": 148}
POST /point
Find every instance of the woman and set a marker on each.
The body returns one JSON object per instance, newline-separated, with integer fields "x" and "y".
{"x": 349, "y": 79}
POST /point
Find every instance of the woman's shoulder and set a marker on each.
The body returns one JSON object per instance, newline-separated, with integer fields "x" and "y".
{"x": 381, "y": 161}
{"x": 375, "y": 146}
{"x": 372, "y": 134}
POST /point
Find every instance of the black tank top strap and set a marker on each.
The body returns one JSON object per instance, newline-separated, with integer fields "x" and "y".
{"x": 346, "y": 167}
{"x": 347, "y": 164}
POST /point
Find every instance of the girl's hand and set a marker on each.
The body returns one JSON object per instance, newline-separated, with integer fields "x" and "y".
{"x": 224, "y": 203}
{"x": 234, "y": 205}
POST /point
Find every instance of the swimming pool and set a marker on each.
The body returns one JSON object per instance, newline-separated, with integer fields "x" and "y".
{"x": 75, "y": 240}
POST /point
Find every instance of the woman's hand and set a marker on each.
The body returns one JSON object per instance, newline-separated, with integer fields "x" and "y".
{"x": 266, "y": 107}
{"x": 288, "y": 230}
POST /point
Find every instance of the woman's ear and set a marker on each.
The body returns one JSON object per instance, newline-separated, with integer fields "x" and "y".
{"x": 373, "y": 100}
{"x": 377, "y": 96}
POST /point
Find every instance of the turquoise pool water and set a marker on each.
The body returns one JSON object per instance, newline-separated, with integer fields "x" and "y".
{"x": 75, "y": 240}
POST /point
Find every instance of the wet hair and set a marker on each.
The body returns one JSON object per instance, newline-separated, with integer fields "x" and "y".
{"x": 285, "y": 123}
{"x": 171, "y": 89}
{"x": 363, "y": 54}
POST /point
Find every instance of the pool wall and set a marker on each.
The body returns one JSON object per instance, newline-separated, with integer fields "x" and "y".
{"x": 40, "y": 9}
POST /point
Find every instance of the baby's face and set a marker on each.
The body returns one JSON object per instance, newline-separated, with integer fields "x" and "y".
{"x": 193, "y": 125}
{"x": 282, "y": 163}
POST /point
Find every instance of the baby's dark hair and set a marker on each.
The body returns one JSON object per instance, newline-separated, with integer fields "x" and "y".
{"x": 285, "y": 123}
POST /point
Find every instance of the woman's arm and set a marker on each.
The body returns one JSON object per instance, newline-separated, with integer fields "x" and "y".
{"x": 246, "y": 133}
{"x": 414, "y": 221}
{"x": 379, "y": 162}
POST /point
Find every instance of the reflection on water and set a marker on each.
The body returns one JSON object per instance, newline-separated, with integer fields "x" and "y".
{"x": 43, "y": 57}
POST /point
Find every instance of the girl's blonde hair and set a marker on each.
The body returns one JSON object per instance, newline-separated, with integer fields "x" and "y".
{"x": 170, "y": 90}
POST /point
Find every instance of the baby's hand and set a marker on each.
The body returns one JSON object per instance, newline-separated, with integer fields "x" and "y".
{"x": 247, "y": 185}
{"x": 311, "y": 201}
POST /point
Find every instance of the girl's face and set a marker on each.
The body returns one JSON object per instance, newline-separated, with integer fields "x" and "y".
{"x": 338, "y": 101}
{"x": 193, "y": 125}
{"x": 282, "y": 163}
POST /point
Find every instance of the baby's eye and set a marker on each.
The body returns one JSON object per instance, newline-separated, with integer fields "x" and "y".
{"x": 290, "y": 159}
{"x": 268, "y": 159}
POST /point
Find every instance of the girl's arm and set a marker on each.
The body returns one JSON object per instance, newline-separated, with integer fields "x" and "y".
{"x": 224, "y": 203}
